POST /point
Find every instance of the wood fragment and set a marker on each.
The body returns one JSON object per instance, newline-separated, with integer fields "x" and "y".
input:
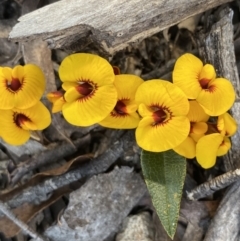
{"x": 46, "y": 157}
{"x": 24, "y": 227}
{"x": 102, "y": 203}
{"x": 42, "y": 191}
{"x": 110, "y": 25}
{"x": 225, "y": 224}
{"x": 216, "y": 184}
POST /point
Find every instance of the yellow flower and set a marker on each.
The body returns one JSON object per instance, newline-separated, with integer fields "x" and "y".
{"x": 16, "y": 124}
{"x": 124, "y": 115}
{"x": 216, "y": 143}
{"x": 164, "y": 108}
{"x": 90, "y": 93}
{"x": 57, "y": 99}
{"x": 20, "y": 87}
{"x": 215, "y": 95}
{"x": 199, "y": 127}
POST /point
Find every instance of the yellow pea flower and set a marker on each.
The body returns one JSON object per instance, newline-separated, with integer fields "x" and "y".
{"x": 199, "y": 127}
{"x": 216, "y": 143}
{"x": 124, "y": 115}
{"x": 16, "y": 124}
{"x": 215, "y": 95}
{"x": 20, "y": 87}
{"x": 57, "y": 99}
{"x": 164, "y": 108}
{"x": 90, "y": 92}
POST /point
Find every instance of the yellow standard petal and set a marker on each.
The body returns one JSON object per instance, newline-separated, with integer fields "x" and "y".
{"x": 186, "y": 74}
{"x": 160, "y": 93}
{"x": 207, "y": 149}
{"x": 226, "y": 125}
{"x": 224, "y": 147}
{"x": 187, "y": 148}
{"x": 196, "y": 112}
{"x": 17, "y": 123}
{"x": 217, "y": 98}
{"x": 21, "y": 87}
{"x": 86, "y": 67}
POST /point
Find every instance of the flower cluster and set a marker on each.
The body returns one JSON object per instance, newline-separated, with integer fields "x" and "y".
{"x": 189, "y": 115}
{"x": 92, "y": 93}
{"x": 20, "y": 108}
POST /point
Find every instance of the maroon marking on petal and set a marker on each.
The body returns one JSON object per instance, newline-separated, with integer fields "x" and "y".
{"x": 120, "y": 108}
{"x": 19, "y": 119}
{"x": 85, "y": 88}
{"x": 159, "y": 116}
{"x": 204, "y": 83}
{"x": 116, "y": 70}
{"x": 14, "y": 85}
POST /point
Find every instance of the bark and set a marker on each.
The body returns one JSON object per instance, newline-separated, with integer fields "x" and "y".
{"x": 111, "y": 26}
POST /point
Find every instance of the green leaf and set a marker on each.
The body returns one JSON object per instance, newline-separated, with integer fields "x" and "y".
{"x": 164, "y": 174}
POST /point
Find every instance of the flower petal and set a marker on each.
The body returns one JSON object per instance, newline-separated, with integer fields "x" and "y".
{"x": 7, "y": 100}
{"x": 226, "y": 124}
{"x": 162, "y": 137}
{"x": 73, "y": 95}
{"x": 207, "y": 73}
{"x": 12, "y": 134}
{"x": 57, "y": 100}
{"x": 218, "y": 98}
{"x": 196, "y": 112}
{"x": 89, "y": 110}
{"x": 117, "y": 121}
{"x": 67, "y": 85}
{"x": 54, "y": 96}
{"x": 224, "y": 147}
{"x": 165, "y": 94}
{"x": 83, "y": 67}
{"x": 187, "y": 148}
{"x": 199, "y": 128}
{"x": 38, "y": 114}
{"x": 186, "y": 75}
{"x": 127, "y": 86}
{"x": 207, "y": 149}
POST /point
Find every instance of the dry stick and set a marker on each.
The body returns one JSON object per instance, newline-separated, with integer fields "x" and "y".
{"x": 214, "y": 185}
{"x": 42, "y": 191}
{"x": 24, "y": 227}
{"x": 217, "y": 48}
{"x": 47, "y": 157}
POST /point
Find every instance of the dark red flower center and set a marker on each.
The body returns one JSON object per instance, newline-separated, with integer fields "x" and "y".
{"x": 14, "y": 85}
{"x": 120, "y": 108}
{"x": 159, "y": 116}
{"x": 204, "y": 83}
{"x": 85, "y": 88}
{"x": 20, "y": 119}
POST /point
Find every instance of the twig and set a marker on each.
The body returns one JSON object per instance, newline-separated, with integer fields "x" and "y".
{"x": 24, "y": 227}
{"x": 214, "y": 185}
{"x": 225, "y": 224}
{"x": 46, "y": 157}
{"x": 40, "y": 192}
